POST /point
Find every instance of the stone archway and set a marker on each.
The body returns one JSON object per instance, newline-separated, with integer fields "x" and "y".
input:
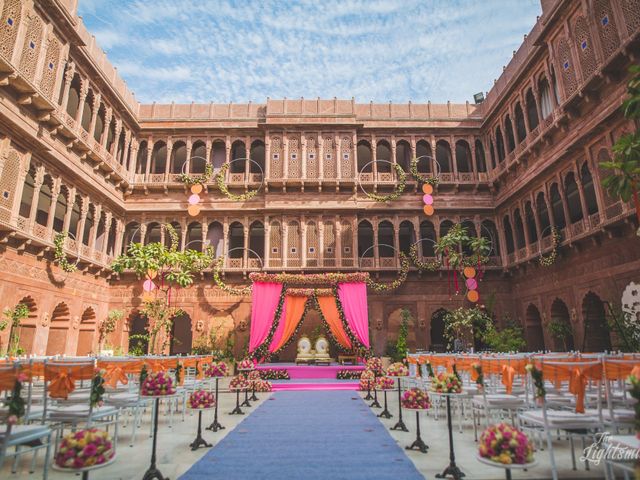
{"x": 58, "y": 330}
{"x": 138, "y": 327}
{"x": 596, "y": 330}
{"x": 181, "y": 335}
{"x": 438, "y": 342}
{"x": 560, "y": 315}
{"x": 87, "y": 332}
{"x": 28, "y": 326}
{"x": 533, "y": 329}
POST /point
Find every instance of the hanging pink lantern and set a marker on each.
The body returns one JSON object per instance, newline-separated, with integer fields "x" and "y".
{"x": 148, "y": 285}
{"x": 472, "y": 284}
{"x": 427, "y": 199}
{"x": 194, "y": 199}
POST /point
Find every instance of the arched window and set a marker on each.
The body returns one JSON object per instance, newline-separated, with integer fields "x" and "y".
{"x": 521, "y": 129}
{"x": 560, "y": 315}
{"x": 445, "y": 226}
{"x": 364, "y": 157}
{"x": 153, "y": 233}
{"x": 511, "y": 143}
{"x": 73, "y": 101}
{"x": 492, "y": 153}
{"x": 27, "y": 194}
{"x": 365, "y": 238}
{"x": 517, "y": 220}
{"x": 215, "y": 237}
{"x": 533, "y": 329}
{"x": 532, "y": 109}
{"x": 403, "y": 155}
{"x": 499, "y": 145}
{"x": 178, "y": 157}
{"x": 508, "y": 234}
{"x": 463, "y": 156}
{"x": 597, "y": 337}
{"x": 44, "y": 201}
{"x": 531, "y": 223}
{"x": 100, "y": 232}
{"x": 61, "y": 210}
{"x": 545, "y": 97}
{"x": 543, "y": 215}
{"x": 75, "y": 217}
{"x": 470, "y": 228}
{"x": 111, "y": 135}
{"x": 481, "y": 162}
{"x": 257, "y": 154}
{"x": 97, "y": 132}
{"x": 443, "y": 156}
{"x": 87, "y": 112}
{"x": 159, "y": 158}
{"x": 238, "y": 151}
{"x": 588, "y": 189}
{"x": 383, "y": 152}
{"x": 558, "y": 209}
{"x": 218, "y": 154}
{"x": 198, "y": 159}
{"x": 132, "y": 234}
{"x": 120, "y": 153}
{"x": 111, "y": 238}
{"x": 573, "y": 198}
{"x": 427, "y": 238}
{"x": 256, "y": 240}
{"x": 167, "y": 238}
{"x": 406, "y": 236}
{"x": 386, "y": 239}
{"x": 88, "y": 225}
{"x": 194, "y": 236}
{"x": 489, "y": 231}
{"x": 236, "y": 240}
{"x": 423, "y": 154}
{"x": 141, "y": 160}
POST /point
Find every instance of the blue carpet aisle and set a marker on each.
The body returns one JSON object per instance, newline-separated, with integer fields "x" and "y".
{"x": 318, "y": 435}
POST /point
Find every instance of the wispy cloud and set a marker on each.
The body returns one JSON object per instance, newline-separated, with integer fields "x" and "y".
{"x": 380, "y": 50}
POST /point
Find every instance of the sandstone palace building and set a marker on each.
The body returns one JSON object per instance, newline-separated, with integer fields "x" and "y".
{"x": 78, "y": 153}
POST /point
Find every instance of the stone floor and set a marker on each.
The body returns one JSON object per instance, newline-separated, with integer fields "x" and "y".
{"x": 175, "y": 456}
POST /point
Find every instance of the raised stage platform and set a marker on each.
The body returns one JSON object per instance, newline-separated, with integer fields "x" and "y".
{"x": 312, "y": 377}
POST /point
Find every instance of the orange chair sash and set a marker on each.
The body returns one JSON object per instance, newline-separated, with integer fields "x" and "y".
{"x": 577, "y": 375}
{"x": 114, "y": 373}
{"x": 62, "y": 378}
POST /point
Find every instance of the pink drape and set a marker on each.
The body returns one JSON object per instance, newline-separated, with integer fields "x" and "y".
{"x": 353, "y": 297}
{"x": 264, "y": 301}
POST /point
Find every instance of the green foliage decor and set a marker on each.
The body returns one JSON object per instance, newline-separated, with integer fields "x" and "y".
{"x": 12, "y": 318}
{"x": 108, "y": 325}
{"x": 548, "y": 260}
{"x": 397, "y": 191}
{"x": 222, "y": 186}
{"x": 430, "y": 266}
{"x": 466, "y": 324}
{"x": 507, "y": 339}
{"x": 217, "y": 269}
{"x": 59, "y": 255}
{"x": 401, "y": 343}
{"x": 560, "y": 330}
{"x": 402, "y": 277}
{"x": 453, "y": 245}
{"x": 433, "y": 181}
{"x": 198, "y": 179}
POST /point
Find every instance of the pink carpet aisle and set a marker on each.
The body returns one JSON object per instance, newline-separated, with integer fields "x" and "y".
{"x": 312, "y": 377}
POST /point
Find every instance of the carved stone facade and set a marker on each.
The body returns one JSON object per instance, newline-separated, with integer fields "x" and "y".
{"x": 79, "y": 154}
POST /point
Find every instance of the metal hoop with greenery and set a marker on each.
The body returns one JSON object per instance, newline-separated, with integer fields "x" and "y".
{"x": 222, "y": 186}
{"x": 199, "y": 179}
{"x": 397, "y": 191}
{"x": 431, "y": 265}
{"x": 60, "y": 257}
{"x": 431, "y": 180}
{"x": 548, "y": 260}
{"x": 402, "y": 273}
{"x": 217, "y": 268}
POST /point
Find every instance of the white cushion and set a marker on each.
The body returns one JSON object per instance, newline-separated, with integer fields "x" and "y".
{"x": 561, "y": 419}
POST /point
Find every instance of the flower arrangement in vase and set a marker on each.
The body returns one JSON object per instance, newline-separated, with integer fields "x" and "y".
{"x": 446, "y": 383}
{"x": 157, "y": 384}
{"x": 367, "y": 380}
{"x": 239, "y": 383}
{"x": 385, "y": 383}
{"x": 416, "y": 398}
{"x": 397, "y": 369}
{"x": 375, "y": 365}
{"x": 253, "y": 376}
{"x": 505, "y": 444}
{"x": 246, "y": 364}
{"x": 216, "y": 369}
{"x": 202, "y": 399}
{"x": 84, "y": 448}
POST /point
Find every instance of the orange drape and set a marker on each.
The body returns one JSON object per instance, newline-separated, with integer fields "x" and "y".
{"x": 62, "y": 378}
{"x": 329, "y": 310}
{"x": 578, "y": 376}
{"x": 294, "y": 308}
{"x": 114, "y": 372}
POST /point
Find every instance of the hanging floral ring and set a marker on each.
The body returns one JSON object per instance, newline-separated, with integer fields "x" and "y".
{"x": 397, "y": 191}
{"x": 548, "y": 260}
{"x": 217, "y": 268}
{"x": 429, "y": 266}
{"x": 199, "y": 179}
{"x": 222, "y": 186}
{"x": 431, "y": 180}
{"x": 405, "y": 264}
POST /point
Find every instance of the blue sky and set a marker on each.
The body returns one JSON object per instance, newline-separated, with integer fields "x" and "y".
{"x": 380, "y": 50}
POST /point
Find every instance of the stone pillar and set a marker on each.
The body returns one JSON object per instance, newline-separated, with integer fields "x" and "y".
{"x": 38, "y": 180}
{"x": 67, "y": 215}
{"x": 114, "y": 151}
{"x": 55, "y": 191}
{"x": 285, "y": 155}
{"x": 133, "y": 160}
{"x": 94, "y": 229}
{"x": 84, "y": 210}
{"x": 68, "y": 78}
{"x": 303, "y": 241}
{"x": 536, "y": 219}
{"x": 583, "y": 201}
{"x": 245, "y": 243}
{"x": 303, "y": 159}
{"x": 149, "y": 156}
{"x": 338, "y": 154}
{"x": 108, "y": 217}
{"x": 338, "y": 231}
{"x": 84, "y": 91}
{"x": 94, "y": 113}
{"x": 107, "y": 127}
{"x": 321, "y": 157}
{"x": 168, "y": 163}
{"x": 187, "y": 168}
{"x": 376, "y": 256}
{"x": 119, "y": 237}
{"x": 267, "y": 241}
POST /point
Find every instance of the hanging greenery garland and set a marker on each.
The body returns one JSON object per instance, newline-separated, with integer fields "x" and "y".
{"x": 223, "y": 186}
{"x": 309, "y": 279}
{"x": 199, "y": 179}
{"x": 59, "y": 255}
{"x": 548, "y": 260}
{"x": 397, "y": 191}
{"x": 433, "y": 181}
{"x": 430, "y": 266}
{"x": 402, "y": 277}
{"x": 263, "y": 350}
{"x": 173, "y": 237}
{"x": 217, "y": 267}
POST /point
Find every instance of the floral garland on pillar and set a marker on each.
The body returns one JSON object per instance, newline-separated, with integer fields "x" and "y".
{"x": 397, "y": 191}
{"x": 222, "y": 186}
{"x": 402, "y": 277}
{"x": 59, "y": 255}
{"x": 430, "y": 266}
{"x": 548, "y": 260}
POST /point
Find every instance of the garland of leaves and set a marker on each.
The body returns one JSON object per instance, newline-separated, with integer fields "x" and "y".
{"x": 263, "y": 350}
{"x": 397, "y": 191}
{"x": 199, "y": 179}
{"x": 430, "y": 266}
{"x": 538, "y": 381}
{"x": 309, "y": 279}
{"x": 325, "y": 324}
{"x": 433, "y": 181}
{"x": 402, "y": 277}
{"x": 548, "y": 260}
{"x": 217, "y": 267}
{"x": 223, "y": 186}
{"x": 59, "y": 255}
{"x": 97, "y": 389}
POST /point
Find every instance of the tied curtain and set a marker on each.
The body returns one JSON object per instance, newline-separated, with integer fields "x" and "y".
{"x": 289, "y": 320}
{"x": 329, "y": 310}
{"x": 353, "y": 297}
{"x": 265, "y": 299}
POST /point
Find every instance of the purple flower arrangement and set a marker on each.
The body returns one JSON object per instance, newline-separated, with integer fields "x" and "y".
{"x": 239, "y": 383}
{"x": 416, "y": 398}
{"x": 505, "y": 444}
{"x": 85, "y": 448}
{"x": 216, "y": 369}
{"x": 202, "y": 399}
{"x": 157, "y": 384}
{"x": 397, "y": 369}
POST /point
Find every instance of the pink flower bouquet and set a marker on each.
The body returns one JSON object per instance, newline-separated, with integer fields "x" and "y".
{"x": 375, "y": 365}
{"x": 218, "y": 369}
{"x": 85, "y": 448}
{"x": 397, "y": 369}
{"x": 385, "y": 383}
{"x": 246, "y": 364}
{"x": 446, "y": 383}
{"x": 416, "y": 398}
{"x": 367, "y": 380}
{"x": 262, "y": 386}
{"x": 239, "y": 383}
{"x": 202, "y": 399}
{"x": 253, "y": 376}
{"x": 505, "y": 444}
{"x": 158, "y": 384}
